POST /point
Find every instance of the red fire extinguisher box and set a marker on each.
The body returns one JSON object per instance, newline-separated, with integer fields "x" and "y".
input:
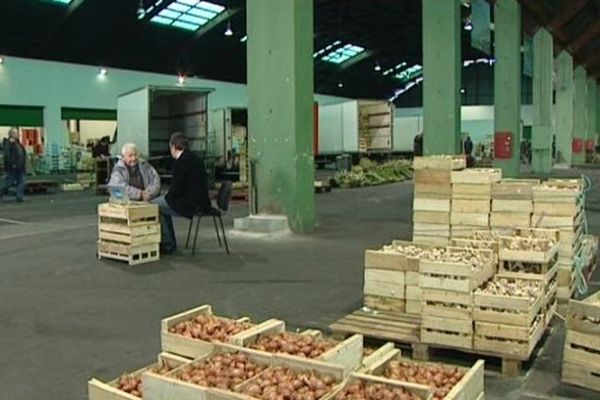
{"x": 503, "y": 145}
{"x": 577, "y": 145}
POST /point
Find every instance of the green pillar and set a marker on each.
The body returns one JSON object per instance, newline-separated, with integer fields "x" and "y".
{"x": 507, "y": 80}
{"x": 591, "y": 109}
{"x": 280, "y": 113}
{"x": 564, "y": 107}
{"x": 541, "y": 135}
{"x": 597, "y": 113}
{"x": 579, "y": 113}
{"x": 442, "y": 68}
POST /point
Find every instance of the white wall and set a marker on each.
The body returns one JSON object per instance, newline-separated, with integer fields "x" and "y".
{"x": 477, "y": 121}
{"x": 96, "y": 129}
{"x": 53, "y": 85}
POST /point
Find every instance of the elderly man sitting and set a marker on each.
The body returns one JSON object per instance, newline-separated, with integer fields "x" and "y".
{"x": 138, "y": 176}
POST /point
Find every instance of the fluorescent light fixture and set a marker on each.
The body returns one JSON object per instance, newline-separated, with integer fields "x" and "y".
{"x": 468, "y": 26}
{"x": 228, "y": 31}
{"x": 1, "y": 60}
{"x": 189, "y": 15}
{"x": 102, "y": 71}
{"x": 410, "y": 73}
{"x": 463, "y": 91}
{"x": 340, "y": 85}
{"x": 377, "y": 66}
{"x": 181, "y": 79}
{"x": 343, "y": 53}
{"x": 65, "y": 2}
{"x": 244, "y": 39}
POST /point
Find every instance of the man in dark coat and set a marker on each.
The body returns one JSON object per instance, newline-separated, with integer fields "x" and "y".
{"x": 14, "y": 165}
{"x": 187, "y": 194}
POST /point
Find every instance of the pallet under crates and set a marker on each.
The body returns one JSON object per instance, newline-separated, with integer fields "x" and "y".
{"x": 129, "y": 232}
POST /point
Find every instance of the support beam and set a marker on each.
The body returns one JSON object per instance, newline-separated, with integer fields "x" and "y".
{"x": 585, "y": 37}
{"x": 591, "y": 110}
{"x": 541, "y": 136}
{"x": 579, "y": 115}
{"x": 597, "y": 113}
{"x": 507, "y": 82}
{"x": 566, "y": 13}
{"x": 564, "y": 108}
{"x": 442, "y": 69}
{"x": 280, "y": 108}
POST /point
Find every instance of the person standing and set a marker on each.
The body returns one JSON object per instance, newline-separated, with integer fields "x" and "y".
{"x": 139, "y": 177}
{"x": 14, "y": 165}
{"x": 468, "y": 146}
{"x": 187, "y": 194}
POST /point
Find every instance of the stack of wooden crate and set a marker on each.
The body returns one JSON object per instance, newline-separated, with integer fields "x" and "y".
{"x": 433, "y": 193}
{"x": 391, "y": 277}
{"x": 129, "y": 232}
{"x": 512, "y": 203}
{"x": 447, "y": 280}
{"x": 558, "y": 204}
{"x": 471, "y": 200}
{"x": 581, "y": 359}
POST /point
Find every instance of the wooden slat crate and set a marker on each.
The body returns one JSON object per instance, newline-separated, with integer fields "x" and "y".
{"x": 348, "y": 353}
{"x": 550, "y": 208}
{"x": 432, "y": 240}
{"x": 384, "y": 283}
{"x": 581, "y": 359}
{"x": 464, "y": 231}
{"x": 431, "y": 176}
{"x": 518, "y": 269}
{"x": 469, "y": 387}
{"x": 131, "y": 214}
{"x": 430, "y": 204}
{"x": 130, "y": 235}
{"x": 433, "y": 191}
{"x": 440, "y": 162}
{"x": 455, "y": 276}
{"x": 439, "y": 230}
{"x": 432, "y": 217}
{"x": 447, "y": 304}
{"x": 446, "y": 331}
{"x": 392, "y": 260}
{"x": 584, "y": 315}
{"x": 191, "y": 347}
{"x": 471, "y": 206}
{"x": 514, "y": 189}
{"x": 512, "y": 206}
{"x": 509, "y": 310}
{"x": 477, "y": 176}
{"x": 420, "y": 391}
{"x": 99, "y": 390}
{"x": 508, "y": 339}
{"x": 567, "y": 224}
{"x": 546, "y": 252}
{"x": 469, "y": 219}
{"x": 554, "y": 191}
{"x": 507, "y": 219}
{"x": 134, "y": 255}
{"x": 468, "y": 191}
{"x": 383, "y": 303}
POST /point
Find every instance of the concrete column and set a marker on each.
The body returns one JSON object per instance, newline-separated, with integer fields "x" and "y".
{"x": 55, "y": 130}
{"x": 591, "y": 109}
{"x": 541, "y": 135}
{"x": 579, "y": 113}
{"x": 564, "y": 107}
{"x": 442, "y": 68}
{"x": 507, "y": 81}
{"x": 280, "y": 113}
{"x": 597, "y": 113}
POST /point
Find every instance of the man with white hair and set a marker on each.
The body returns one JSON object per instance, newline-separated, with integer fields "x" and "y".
{"x": 14, "y": 165}
{"x": 138, "y": 176}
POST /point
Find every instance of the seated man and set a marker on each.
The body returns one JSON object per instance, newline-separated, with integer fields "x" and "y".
{"x": 188, "y": 192}
{"x": 139, "y": 177}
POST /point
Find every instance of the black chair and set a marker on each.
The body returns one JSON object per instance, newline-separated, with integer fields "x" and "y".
{"x": 223, "y": 197}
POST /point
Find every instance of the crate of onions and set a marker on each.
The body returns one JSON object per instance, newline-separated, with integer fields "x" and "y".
{"x": 272, "y": 337}
{"x": 129, "y": 385}
{"x": 368, "y": 387}
{"x": 447, "y": 382}
{"x": 193, "y": 332}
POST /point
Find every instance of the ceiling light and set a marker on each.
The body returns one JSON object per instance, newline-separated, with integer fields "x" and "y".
{"x": 228, "y": 31}
{"x": 103, "y": 71}
{"x": 340, "y": 85}
{"x": 244, "y": 39}
{"x": 463, "y": 91}
{"x": 181, "y": 79}
{"x": 377, "y": 66}
{"x": 1, "y": 60}
{"x": 468, "y": 26}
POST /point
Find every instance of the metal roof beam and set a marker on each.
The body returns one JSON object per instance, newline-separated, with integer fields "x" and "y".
{"x": 585, "y": 36}
{"x": 566, "y": 13}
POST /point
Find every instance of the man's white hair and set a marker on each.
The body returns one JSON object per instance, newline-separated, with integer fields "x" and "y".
{"x": 129, "y": 147}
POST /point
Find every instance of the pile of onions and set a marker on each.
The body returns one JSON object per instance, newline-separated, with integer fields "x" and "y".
{"x": 223, "y": 371}
{"x": 209, "y": 328}
{"x": 294, "y": 344}
{"x": 374, "y": 391}
{"x": 440, "y": 377}
{"x": 281, "y": 383}
{"x": 531, "y": 289}
{"x": 132, "y": 384}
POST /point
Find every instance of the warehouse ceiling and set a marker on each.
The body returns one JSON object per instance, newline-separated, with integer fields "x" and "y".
{"x": 122, "y": 34}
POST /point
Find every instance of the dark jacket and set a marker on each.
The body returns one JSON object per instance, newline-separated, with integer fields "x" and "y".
{"x": 14, "y": 156}
{"x": 189, "y": 186}
{"x": 468, "y": 146}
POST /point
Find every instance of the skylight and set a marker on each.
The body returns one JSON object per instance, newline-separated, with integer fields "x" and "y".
{"x": 187, "y": 14}
{"x": 336, "y": 54}
{"x": 410, "y": 73}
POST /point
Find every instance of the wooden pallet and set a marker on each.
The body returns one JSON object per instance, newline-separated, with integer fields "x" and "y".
{"x": 133, "y": 255}
{"x": 581, "y": 359}
{"x": 39, "y": 185}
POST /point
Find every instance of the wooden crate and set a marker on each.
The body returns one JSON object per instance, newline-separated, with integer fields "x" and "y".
{"x": 382, "y": 303}
{"x": 432, "y": 217}
{"x": 509, "y": 310}
{"x": 512, "y": 206}
{"x": 99, "y": 390}
{"x": 134, "y": 255}
{"x": 550, "y": 209}
{"x": 431, "y": 177}
{"x": 568, "y": 223}
{"x": 469, "y": 219}
{"x": 545, "y": 194}
{"x": 514, "y": 189}
{"x": 190, "y": 347}
{"x": 446, "y": 331}
{"x": 507, "y": 219}
{"x": 433, "y": 191}
{"x": 471, "y": 206}
{"x": 508, "y": 339}
{"x": 431, "y": 230}
{"x": 397, "y": 327}
{"x": 420, "y": 391}
{"x": 348, "y": 353}
{"x": 470, "y": 191}
{"x": 506, "y": 253}
{"x": 384, "y": 283}
{"x": 456, "y": 277}
{"x": 414, "y": 293}
{"x": 412, "y": 277}
{"x": 440, "y": 162}
{"x": 414, "y": 307}
{"x": 518, "y": 269}
{"x": 447, "y": 304}
{"x": 470, "y": 387}
{"x": 431, "y": 204}
{"x": 394, "y": 261}
{"x": 464, "y": 231}
{"x": 132, "y": 214}
{"x": 584, "y": 315}
{"x": 477, "y": 176}
{"x": 433, "y": 240}
{"x": 129, "y": 235}
{"x": 492, "y": 245}
{"x": 581, "y": 359}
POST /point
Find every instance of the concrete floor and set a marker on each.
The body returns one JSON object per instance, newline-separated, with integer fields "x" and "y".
{"x": 65, "y": 316}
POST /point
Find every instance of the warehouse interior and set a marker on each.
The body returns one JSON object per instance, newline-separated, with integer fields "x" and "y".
{"x": 343, "y": 127}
